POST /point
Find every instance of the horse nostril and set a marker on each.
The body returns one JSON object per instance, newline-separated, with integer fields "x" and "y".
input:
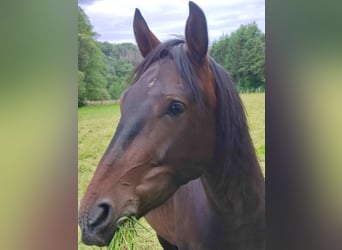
{"x": 100, "y": 214}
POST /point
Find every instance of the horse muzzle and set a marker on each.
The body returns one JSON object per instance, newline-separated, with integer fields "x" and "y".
{"x": 97, "y": 224}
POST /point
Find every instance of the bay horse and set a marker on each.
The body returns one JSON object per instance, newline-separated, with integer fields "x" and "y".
{"x": 182, "y": 155}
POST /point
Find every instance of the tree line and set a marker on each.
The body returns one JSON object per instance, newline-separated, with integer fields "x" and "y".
{"x": 103, "y": 68}
{"x": 242, "y": 54}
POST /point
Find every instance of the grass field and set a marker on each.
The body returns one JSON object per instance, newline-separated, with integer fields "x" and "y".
{"x": 96, "y": 126}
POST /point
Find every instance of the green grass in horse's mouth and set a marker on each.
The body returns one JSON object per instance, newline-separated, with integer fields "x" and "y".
{"x": 126, "y": 233}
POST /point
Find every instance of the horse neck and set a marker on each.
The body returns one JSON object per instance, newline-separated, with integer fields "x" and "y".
{"x": 244, "y": 188}
{"x": 237, "y": 201}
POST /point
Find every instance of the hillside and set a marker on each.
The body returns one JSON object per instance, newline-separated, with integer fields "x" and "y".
{"x": 127, "y": 52}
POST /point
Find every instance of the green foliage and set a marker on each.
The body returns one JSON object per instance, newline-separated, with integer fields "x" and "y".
{"x": 128, "y": 52}
{"x": 91, "y": 64}
{"x": 243, "y": 55}
{"x": 84, "y": 26}
{"x": 102, "y": 67}
{"x": 117, "y": 87}
{"x": 219, "y": 49}
{"x": 81, "y": 89}
{"x": 119, "y": 59}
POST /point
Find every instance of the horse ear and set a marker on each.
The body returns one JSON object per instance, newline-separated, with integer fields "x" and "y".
{"x": 196, "y": 33}
{"x": 145, "y": 39}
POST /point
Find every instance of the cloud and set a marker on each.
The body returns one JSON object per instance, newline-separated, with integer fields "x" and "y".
{"x": 113, "y": 19}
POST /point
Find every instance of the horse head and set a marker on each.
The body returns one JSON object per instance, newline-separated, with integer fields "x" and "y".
{"x": 166, "y": 134}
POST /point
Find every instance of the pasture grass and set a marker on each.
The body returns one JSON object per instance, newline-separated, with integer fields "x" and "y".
{"x": 255, "y": 109}
{"x": 96, "y": 126}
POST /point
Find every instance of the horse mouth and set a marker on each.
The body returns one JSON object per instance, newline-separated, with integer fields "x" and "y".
{"x": 90, "y": 240}
{"x": 103, "y": 236}
{"x": 99, "y": 238}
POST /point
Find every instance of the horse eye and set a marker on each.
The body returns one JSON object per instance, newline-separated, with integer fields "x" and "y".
{"x": 176, "y": 108}
{"x": 163, "y": 53}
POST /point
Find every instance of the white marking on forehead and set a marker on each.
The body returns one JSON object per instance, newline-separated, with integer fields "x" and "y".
{"x": 152, "y": 83}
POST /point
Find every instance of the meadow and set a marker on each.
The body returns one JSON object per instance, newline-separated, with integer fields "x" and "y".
{"x": 97, "y": 124}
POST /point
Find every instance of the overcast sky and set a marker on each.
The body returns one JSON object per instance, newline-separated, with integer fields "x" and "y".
{"x": 112, "y": 19}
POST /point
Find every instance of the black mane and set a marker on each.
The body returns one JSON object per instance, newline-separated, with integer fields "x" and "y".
{"x": 234, "y": 146}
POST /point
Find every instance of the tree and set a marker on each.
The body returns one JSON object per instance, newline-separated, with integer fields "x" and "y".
{"x": 246, "y": 57}
{"x": 81, "y": 89}
{"x": 243, "y": 55}
{"x": 119, "y": 59}
{"x": 91, "y": 64}
{"x": 219, "y": 49}
{"x": 117, "y": 87}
